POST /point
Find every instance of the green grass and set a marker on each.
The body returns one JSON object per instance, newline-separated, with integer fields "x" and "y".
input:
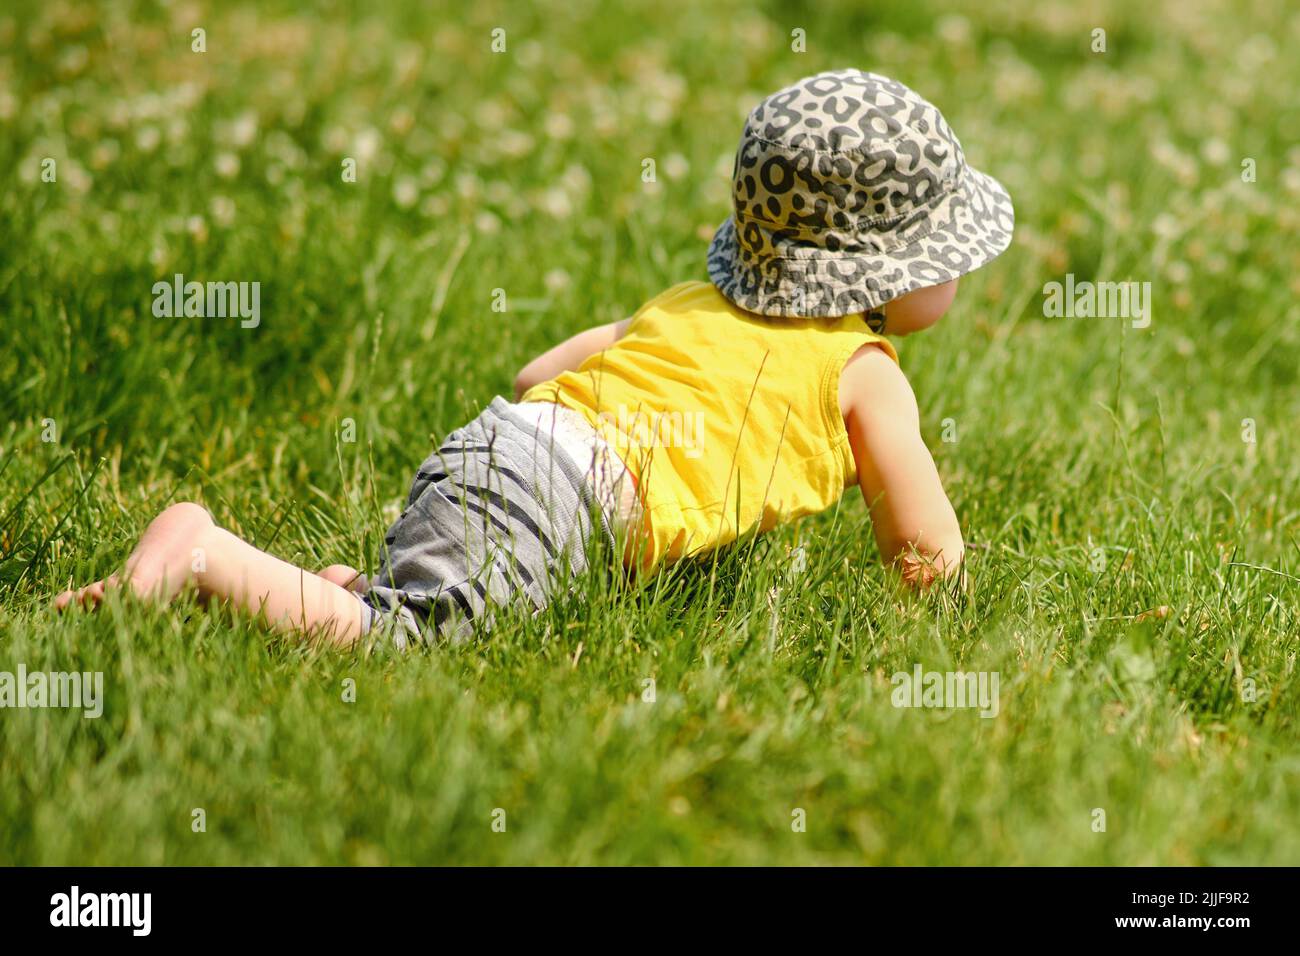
{"x": 1137, "y": 561}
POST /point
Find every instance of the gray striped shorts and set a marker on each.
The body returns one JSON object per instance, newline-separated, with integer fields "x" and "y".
{"x": 498, "y": 515}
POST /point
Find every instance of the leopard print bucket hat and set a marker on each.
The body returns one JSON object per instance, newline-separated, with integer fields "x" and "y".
{"x": 850, "y": 190}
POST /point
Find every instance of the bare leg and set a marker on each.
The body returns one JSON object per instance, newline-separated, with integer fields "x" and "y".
{"x": 182, "y": 548}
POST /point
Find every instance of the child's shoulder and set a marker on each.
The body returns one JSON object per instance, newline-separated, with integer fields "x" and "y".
{"x": 873, "y": 382}
{"x": 691, "y": 294}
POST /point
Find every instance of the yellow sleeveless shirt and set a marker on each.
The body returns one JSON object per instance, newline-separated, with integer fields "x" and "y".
{"x": 728, "y": 421}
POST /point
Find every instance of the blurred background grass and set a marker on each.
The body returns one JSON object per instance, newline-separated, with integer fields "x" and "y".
{"x": 521, "y": 171}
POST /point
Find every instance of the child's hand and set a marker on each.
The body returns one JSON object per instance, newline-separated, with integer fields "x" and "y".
{"x": 922, "y": 570}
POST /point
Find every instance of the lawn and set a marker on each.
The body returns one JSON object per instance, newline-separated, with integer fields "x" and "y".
{"x": 1132, "y": 494}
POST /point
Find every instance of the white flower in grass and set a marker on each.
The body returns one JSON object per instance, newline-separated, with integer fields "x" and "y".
{"x": 432, "y": 172}
{"x": 223, "y": 211}
{"x": 1175, "y": 160}
{"x": 487, "y": 223}
{"x": 492, "y": 115}
{"x": 556, "y": 281}
{"x": 576, "y": 179}
{"x": 335, "y": 139}
{"x": 953, "y": 29}
{"x": 187, "y": 94}
{"x": 406, "y": 192}
{"x": 658, "y": 112}
{"x": 1092, "y": 163}
{"x": 468, "y": 186}
{"x": 1215, "y": 151}
{"x": 226, "y": 165}
{"x": 555, "y": 203}
{"x": 147, "y": 138}
{"x": 451, "y": 128}
{"x": 514, "y": 144}
{"x": 79, "y": 181}
{"x": 1178, "y": 272}
{"x": 675, "y": 166}
{"x": 243, "y": 130}
{"x": 197, "y": 227}
{"x": 1257, "y": 50}
{"x": 669, "y": 86}
{"x": 407, "y": 63}
{"x": 401, "y": 121}
{"x": 1166, "y": 227}
{"x": 1015, "y": 80}
{"x": 391, "y": 511}
{"x": 280, "y": 146}
{"x": 72, "y": 61}
{"x": 366, "y": 145}
{"x": 104, "y": 153}
{"x": 558, "y": 126}
{"x": 530, "y": 53}
{"x": 604, "y": 123}
{"x": 434, "y": 206}
{"x": 752, "y": 32}
{"x": 148, "y": 106}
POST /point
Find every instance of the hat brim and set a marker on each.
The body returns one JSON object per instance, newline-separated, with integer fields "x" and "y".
{"x": 969, "y": 227}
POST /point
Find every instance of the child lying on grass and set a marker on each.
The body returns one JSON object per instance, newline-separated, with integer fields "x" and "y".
{"x": 717, "y": 409}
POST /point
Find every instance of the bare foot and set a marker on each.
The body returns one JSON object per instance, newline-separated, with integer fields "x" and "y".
{"x": 166, "y": 560}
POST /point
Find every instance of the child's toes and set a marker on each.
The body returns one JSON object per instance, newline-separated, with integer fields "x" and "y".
{"x": 92, "y": 594}
{"x": 89, "y": 596}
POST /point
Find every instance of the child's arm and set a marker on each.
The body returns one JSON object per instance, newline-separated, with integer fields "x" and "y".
{"x": 568, "y": 355}
{"x": 914, "y": 522}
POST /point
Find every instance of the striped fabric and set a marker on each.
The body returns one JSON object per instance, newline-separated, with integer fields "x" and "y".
{"x": 498, "y": 515}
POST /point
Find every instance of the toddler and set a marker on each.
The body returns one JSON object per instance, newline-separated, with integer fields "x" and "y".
{"x": 719, "y": 408}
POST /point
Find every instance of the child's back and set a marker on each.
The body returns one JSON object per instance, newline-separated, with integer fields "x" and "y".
{"x": 728, "y": 421}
